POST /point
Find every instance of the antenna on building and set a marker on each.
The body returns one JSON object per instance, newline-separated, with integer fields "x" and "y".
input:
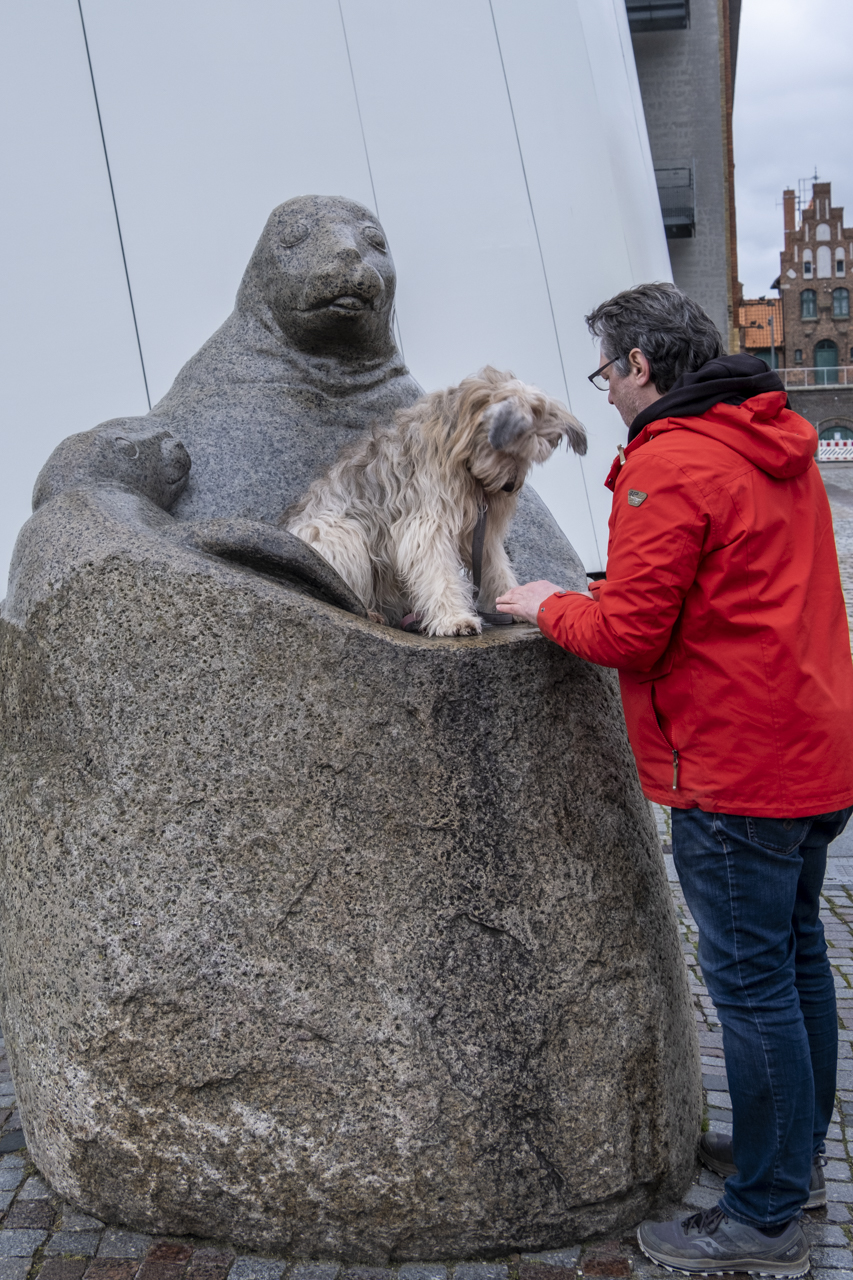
{"x": 804, "y": 199}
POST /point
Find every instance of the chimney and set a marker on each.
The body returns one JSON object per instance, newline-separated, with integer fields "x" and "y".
{"x": 789, "y": 200}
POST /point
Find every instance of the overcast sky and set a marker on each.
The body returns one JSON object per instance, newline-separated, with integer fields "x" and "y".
{"x": 195, "y": 94}
{"x": 793, "y": 111}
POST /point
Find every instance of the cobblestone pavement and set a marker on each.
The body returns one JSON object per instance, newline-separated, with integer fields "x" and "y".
{"x": 43, "y": 1237}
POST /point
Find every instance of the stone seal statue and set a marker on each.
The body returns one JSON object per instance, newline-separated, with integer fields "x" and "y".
{"x": 307, "y": 358}
{"x": 317, "y": 936}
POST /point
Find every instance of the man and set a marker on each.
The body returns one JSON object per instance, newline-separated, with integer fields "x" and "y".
{"x": 722, "y": 611}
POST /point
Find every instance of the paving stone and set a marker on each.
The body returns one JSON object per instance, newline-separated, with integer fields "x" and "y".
{"x": 422, "y": 1271}
{"x": 168, "y": 1251}
{"x": 156, "y": 1269}
{"x": 837, "y": 1171}
{"x": 836, "y": 1211}
{"x": 35, "y": 1188}
{"x": 821, "y": 1256}
{"x": 715, "y": 1082}
{"x": 555, "y": 1257}
{"x": 74, "y": 1221}
{"x": 840, "y": 1191}
{"x": 367, "y": 1273}
{"x": 545, "y": 1271}
{"x": 822, "y": 1274}
{"x": 718, "y": 1116}
{"x": 6, "y": 1198}
{"x": 13, "y": 1141}
{"x": 31, "y": 1213}
{"x": 123, "y": 1244}
{"x": 14, "y": 1268}
{"x": 822, "y": 1233}
{"x": 81, "y": 1242}
{"x": 209, "y": 1264}
{"x": 701, "y": 1197}
{"x": 302, "y": 1271}
{"x": 480, "y": 1271}
{"x": 112, "y": 1269}
{"x": 20, "y": 1244}
{"x": 63, "y": 1268}
{"x": 10, "y": 1179}
{"x": 251, "y": 1268}
{"x": 606, "y": 1260}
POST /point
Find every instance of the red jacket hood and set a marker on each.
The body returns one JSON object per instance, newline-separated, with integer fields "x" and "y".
{"x": 773, "y": 438}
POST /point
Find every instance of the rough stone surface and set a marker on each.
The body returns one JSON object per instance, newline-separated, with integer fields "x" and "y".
{"x": 297, "y": 963}
{"x": 316, "y": 937}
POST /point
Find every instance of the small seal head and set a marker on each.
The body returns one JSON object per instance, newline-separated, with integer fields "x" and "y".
{"x": 135, "y": 454}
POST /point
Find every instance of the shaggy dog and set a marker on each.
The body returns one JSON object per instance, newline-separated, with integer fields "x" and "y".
{"x": 395, "y": 514}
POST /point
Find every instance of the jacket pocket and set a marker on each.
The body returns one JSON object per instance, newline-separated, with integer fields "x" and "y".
{"x": 657, "y": 757}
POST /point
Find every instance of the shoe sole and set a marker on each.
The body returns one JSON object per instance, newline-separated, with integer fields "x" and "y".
{"x": 816, "y": 1200}
{"x": 752, "y": 1266}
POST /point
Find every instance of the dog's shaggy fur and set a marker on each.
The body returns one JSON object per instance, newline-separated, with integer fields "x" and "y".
{"x": 395, "y": 514}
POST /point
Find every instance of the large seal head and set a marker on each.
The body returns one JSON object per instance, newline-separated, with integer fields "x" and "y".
{"x": 306, "y": 357}
{"x": 322, "y": 274}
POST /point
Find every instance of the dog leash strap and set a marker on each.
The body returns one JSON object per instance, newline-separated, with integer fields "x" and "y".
{"x": 477, "y": 544}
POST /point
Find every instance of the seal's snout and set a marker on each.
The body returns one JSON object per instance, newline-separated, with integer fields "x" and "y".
{"x": 347, "y": 287}
{"x": 176, "y": 460}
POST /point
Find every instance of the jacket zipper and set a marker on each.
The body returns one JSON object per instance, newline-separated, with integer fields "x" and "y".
{"x": 674, "y": 769}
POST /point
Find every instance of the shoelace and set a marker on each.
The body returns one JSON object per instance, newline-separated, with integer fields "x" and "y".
{"x": 705, "y": 1222}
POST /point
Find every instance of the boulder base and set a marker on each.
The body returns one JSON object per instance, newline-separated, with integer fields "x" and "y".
{"x": 322, "y": 938}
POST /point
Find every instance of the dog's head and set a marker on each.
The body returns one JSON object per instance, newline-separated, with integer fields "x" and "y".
{"x": 503, "y": 427}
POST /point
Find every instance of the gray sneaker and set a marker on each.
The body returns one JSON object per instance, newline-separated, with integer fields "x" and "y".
{"x": 715, "y": 1151}
{"x": 709, "y": 1243}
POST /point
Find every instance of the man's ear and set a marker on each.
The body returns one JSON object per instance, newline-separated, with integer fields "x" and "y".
{"x": 640, "y": 368}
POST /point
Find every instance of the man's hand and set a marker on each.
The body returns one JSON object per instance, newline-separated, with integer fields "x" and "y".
{"x": 524, "y": 601}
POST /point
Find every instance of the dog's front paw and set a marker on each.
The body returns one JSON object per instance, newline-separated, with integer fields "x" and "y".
{"x": 468, "y": 624}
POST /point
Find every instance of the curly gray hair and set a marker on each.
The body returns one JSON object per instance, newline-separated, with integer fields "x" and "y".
{"x": 672, "y": 331}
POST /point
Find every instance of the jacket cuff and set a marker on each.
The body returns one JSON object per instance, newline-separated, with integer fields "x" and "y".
{"x": 551, "y": 612}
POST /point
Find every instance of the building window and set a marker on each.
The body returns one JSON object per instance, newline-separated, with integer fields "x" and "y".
{"x": 658, "y": 15}
{"x": 677, "y": 200}
{"x": 826, "y": 362}
{"x": 841, "y": 303}
{"x": 808, "y": 304}
{"x": 824, "y": 262}
{"x": 798, "y": 356}
{"x": 807, "y": 262}
{"x": 839, "y": 262}
{"x": 836, "y": 431}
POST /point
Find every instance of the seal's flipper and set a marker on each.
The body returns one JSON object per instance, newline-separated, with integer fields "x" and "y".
{"x": 275, "y": 554}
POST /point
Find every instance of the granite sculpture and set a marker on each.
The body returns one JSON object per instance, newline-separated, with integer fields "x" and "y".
{"x": 315, "y": 935}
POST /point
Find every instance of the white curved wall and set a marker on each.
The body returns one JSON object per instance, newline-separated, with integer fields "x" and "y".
{"x": 213, "y": 114}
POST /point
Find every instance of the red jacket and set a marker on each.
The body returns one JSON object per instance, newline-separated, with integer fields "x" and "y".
{"x": 723, "y": 612}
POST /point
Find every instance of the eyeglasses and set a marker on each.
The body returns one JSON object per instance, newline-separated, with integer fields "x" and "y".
{"x": 596, "y": 378}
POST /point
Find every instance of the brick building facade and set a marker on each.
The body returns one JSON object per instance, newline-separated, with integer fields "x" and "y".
{"x": 815, "y": 285}
{"x": 812, "y": 330}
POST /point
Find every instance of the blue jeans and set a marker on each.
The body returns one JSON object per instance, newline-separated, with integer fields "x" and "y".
{"x": 753, "y": 888}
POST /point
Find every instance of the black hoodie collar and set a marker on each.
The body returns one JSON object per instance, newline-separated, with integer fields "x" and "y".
{"x": 725, "y": 380}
